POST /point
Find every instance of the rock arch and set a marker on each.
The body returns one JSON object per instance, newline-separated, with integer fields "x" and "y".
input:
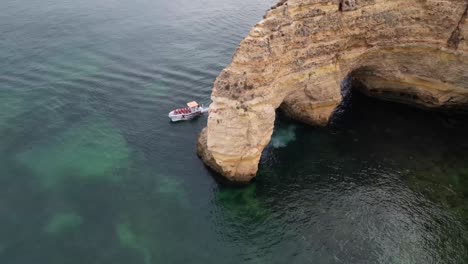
{"x": 412, "y": 51}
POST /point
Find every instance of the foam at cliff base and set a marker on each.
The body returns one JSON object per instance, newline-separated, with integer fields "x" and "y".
{"x": 283, "y": 136}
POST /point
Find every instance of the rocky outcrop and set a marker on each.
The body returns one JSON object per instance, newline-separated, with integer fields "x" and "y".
{"x": 413, "y": 51}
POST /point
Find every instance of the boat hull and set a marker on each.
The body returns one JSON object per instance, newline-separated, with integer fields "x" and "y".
{"x": 184, "y": 117}
{"x": 184, "y": 114}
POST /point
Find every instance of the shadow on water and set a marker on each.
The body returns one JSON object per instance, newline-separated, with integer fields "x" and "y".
{"x": 382, "y": 176}
{"x": 383, "y": 183}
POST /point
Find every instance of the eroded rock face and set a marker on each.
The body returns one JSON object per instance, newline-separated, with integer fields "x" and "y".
{"x": 413, "y": 51}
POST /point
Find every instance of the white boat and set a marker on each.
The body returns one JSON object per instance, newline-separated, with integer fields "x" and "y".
{"x": 192, "y": 110}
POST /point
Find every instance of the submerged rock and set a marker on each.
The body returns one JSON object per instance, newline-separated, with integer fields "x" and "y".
{"x": 90, "y": 150}
{"x": 414, "y": 52}
{"x": 64, "y": 222}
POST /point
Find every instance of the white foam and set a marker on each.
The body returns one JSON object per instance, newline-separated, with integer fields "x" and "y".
{"x": 283, "y": 136}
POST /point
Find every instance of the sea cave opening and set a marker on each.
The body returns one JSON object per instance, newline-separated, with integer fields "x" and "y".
{"x": 369, "y": 139}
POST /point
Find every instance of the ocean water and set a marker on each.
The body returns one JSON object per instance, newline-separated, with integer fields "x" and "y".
{"x": 92, "y": 171}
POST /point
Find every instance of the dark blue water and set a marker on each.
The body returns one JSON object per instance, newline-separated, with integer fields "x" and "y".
{"x": 91, "y": 171}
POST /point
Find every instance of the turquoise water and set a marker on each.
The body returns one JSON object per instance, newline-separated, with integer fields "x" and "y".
{"x": 92, "y": 171}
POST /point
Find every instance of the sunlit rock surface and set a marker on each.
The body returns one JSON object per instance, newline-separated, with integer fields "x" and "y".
{"x": 414, "y": 52}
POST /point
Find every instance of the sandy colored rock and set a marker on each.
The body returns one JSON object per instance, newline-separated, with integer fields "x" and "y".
{"x": 411, "y": 51}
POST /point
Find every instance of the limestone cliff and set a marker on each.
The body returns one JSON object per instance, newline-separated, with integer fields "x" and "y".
{"x": 413, "y": 51}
